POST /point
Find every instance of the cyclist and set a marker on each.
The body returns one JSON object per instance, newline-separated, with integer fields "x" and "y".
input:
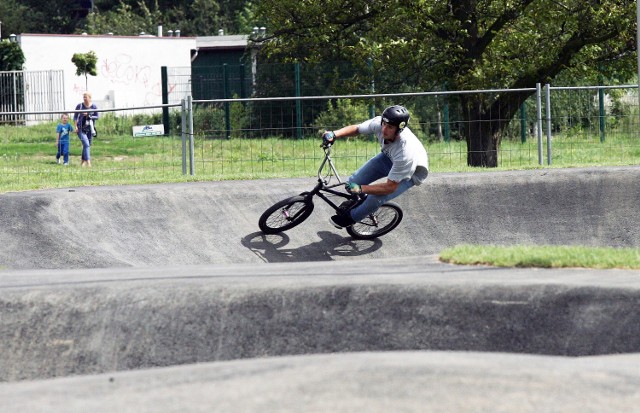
{"x": 403, "y": 161}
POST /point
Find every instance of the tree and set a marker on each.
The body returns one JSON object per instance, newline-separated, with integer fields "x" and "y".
{"x": 11, "y": 56}
{"x": 470, "y": 44}
{"x": 127, "y": 17}
{"x": 245, "y": 19}
{"x": 124, "y": 21}
{"x": 39, "y": 16}
{"x": 204, "y": 17}
{"x": 14, "y": 17}
{"x": 130, "y": 17}
{"x": 86, "y": 64}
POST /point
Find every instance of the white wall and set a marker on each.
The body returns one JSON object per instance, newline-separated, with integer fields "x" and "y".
{"x": 128, "y": 67}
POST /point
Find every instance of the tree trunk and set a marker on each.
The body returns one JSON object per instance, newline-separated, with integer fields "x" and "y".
{"x": 482, "y": 145}
{"x": 485, "y": 124}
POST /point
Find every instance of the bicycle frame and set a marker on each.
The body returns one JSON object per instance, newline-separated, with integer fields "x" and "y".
{"x": 323, "y": 182}
{"x": 289, "y": 212}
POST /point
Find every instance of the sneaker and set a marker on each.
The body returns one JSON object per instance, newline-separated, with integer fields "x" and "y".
{"x": 59, "y": 161}
{"x": 346, "y": 205}
{"x": 341, "y": 221}
{"x": 66, "y": 164}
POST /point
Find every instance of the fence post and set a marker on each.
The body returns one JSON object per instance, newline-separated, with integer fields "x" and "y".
{"x": 183, "y": 134}
{"x": 445, "y": 119}
{"x": 445, "y": 115}
{"x": 523, "y": 124}
{"x": 547, "y": 92}
{"x": 165, "y": 98}
{"x": 227, "y": 115}
{"x": 539, "y": 121}
{"x": 372, "y": 107}
{"x": 298, "y": 102}
{"x": 192, "y": 170}
{"x": 15, "y": 97}
{"x": 243, "y": 87}
{"x": 601, "y": 111}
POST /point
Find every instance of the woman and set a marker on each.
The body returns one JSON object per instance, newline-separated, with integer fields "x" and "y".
{"x": 85, "y": 124}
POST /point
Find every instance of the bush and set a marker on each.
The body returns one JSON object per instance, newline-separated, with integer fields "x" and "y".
{"x": 348, "y": 112}
{"x": 341, "y": 113}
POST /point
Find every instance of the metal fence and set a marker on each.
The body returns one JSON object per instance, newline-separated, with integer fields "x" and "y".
{"x": 578, "y": 118}
{"x": 25, "y": 92}
{"x": 255, "y": 138}
{"x": 179, "y": 83}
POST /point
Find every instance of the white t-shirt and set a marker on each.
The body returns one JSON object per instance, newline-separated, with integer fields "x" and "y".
{"x": 410, "y": 159}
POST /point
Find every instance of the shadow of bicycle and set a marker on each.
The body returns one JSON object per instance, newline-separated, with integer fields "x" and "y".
{"x": 273, "y": 248}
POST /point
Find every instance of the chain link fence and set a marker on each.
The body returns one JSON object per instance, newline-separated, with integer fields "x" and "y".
{"x": 263, "y": 137}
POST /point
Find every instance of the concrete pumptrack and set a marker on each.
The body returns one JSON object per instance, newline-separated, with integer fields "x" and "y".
{"x": 167, "y": 298}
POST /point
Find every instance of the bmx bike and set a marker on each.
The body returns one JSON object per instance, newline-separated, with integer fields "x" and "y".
{"x": 290, "y": 212}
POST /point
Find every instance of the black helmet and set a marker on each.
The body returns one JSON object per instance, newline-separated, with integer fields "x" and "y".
{"x": 396, "y": 115}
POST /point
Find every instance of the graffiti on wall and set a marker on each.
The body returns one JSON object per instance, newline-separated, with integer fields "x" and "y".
{"x": 122, "y": 69}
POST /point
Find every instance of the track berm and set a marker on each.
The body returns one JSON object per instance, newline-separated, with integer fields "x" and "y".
{"x": 167, "y": 298}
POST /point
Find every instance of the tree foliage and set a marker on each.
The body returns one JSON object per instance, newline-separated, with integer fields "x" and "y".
{"x": 86, "y": 64}
{"x": 469, "y": 44}
{"x": 126, "y": 17}
{"x": 123, "y": 20}
{"x": 39, "y": 16}
{"x": 11, "y": 56}
{"x": 14, "y": 19}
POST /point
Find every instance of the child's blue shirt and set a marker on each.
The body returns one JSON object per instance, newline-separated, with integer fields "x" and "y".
{"x": 64, "y": 131}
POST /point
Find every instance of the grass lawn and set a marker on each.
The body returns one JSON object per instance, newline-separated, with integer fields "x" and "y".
{"x": 27, "y": 157}
{"x": 544, "y": 256}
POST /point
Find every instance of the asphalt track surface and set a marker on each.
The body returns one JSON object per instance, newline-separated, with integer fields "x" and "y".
{"x": 168, "y": 298}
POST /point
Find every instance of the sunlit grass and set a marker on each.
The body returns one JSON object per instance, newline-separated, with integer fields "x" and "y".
{"x": 27, "y": 157}
{"x": 543, "y": 256}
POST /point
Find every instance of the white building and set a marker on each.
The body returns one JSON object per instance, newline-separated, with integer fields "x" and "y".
{"x": 129, "y": 67}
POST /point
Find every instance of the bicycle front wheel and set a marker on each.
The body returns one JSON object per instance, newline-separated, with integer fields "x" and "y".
{"x": 378, "y": 223}
{"x": 285, "y": 214}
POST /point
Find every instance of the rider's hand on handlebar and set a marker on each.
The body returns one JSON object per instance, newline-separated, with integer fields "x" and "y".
{"x": 328, "y": 138}
{"x": 353, "y": 188}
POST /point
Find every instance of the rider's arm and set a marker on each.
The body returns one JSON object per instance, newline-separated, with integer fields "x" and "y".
{"x": 351, "y": 130}
{"x": 382, "y": 188}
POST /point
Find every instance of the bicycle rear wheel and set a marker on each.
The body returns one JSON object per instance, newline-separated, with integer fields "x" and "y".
{"x": 378, "y": 223}
{"x": 285, "y": 214}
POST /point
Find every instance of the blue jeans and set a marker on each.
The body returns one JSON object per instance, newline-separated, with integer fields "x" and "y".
{"x": 375, "y": 168}
{"x": 63, "y": 150}
{"x": 86, "y": 145}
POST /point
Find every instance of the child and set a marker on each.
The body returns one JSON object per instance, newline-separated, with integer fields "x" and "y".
{"x": 63, "y": 130}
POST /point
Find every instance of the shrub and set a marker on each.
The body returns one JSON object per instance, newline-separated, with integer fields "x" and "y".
{"x": 340, "y": 113}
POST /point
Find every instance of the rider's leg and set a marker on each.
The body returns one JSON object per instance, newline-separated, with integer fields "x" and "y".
{"x": 374, "y": 169}
{"x": 373, "y": 202}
